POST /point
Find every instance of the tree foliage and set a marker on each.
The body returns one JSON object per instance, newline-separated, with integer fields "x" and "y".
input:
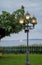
{"x": 9, "y": 23}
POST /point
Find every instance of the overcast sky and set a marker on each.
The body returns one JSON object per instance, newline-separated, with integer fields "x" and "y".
{"x": 34, "y": 7}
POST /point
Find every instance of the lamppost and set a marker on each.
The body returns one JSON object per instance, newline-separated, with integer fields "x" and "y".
{"x": 29, "y": 24}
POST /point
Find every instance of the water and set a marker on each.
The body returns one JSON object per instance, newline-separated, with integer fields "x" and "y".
{"x": 20, "y": 42}
{"x": 34, "y": 41}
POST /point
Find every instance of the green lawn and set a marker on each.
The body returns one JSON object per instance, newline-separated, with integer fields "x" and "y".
{"x": 20, "y": 59}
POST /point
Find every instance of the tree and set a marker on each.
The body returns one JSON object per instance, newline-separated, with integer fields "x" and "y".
{"x": 9, "y": 23}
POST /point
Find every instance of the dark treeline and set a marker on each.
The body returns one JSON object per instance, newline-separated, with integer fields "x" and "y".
{"x": 21, "y": 49}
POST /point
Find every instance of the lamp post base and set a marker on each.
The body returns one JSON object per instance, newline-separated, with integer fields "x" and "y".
{"x": 27, "y": 58}
{"x": 27, "y": 63}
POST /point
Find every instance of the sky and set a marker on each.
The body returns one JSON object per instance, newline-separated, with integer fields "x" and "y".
{"x": 34, "y": 7}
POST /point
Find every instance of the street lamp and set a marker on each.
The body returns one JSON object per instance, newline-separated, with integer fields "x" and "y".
{"x": 30, "y": 23}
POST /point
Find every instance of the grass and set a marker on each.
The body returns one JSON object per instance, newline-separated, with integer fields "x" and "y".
{"x": 20, "y": 59}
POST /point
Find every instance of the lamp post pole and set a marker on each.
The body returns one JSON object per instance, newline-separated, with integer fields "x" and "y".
{"x": 27, "y": 51}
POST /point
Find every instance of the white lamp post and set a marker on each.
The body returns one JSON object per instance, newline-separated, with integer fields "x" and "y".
{"x": 27, "y": 28}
